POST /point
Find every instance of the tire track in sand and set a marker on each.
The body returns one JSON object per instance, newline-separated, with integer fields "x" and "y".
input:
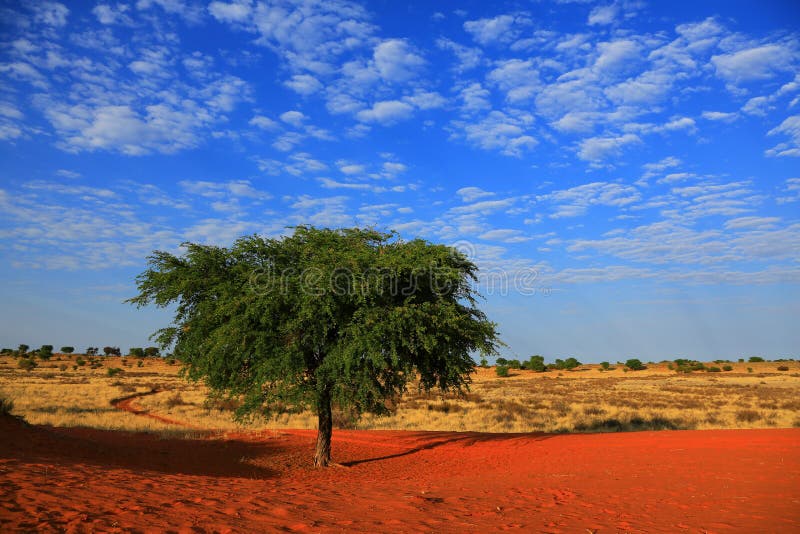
{"x": 128, "y": 404}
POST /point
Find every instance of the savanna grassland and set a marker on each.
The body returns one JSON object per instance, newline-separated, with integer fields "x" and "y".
{"x": 61, "y": 393}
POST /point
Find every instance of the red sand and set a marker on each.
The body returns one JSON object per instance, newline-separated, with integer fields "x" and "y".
{"x": 81, "y": 480}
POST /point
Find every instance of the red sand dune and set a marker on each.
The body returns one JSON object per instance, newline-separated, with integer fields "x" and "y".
{"x": 81, "y": 480}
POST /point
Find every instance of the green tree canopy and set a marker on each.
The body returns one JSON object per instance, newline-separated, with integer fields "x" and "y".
{"x": 323, "y": 317}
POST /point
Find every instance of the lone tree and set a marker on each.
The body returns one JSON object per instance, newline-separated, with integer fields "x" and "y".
{"x": 318, "y": 319}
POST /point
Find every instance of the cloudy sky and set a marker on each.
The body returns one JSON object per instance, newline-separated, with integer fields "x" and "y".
{"x": 626, "y": 174}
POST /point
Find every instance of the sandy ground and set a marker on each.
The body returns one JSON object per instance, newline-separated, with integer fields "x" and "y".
{"x": 82, "y": 480}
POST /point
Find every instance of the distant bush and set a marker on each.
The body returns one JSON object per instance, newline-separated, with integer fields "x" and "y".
{"x": 80, "y": 361}
{"x": 62, "y": 367}
{"x": 634, "y": 364}
{"x": 502, "y": 361}
{"x": 172, "y": 361}
{"x": 713, "y": 369}
{"x": 748, "y": 416}
{"x": 27, "y": 364}
{"x": 749, "y": 369}
{"x": 755, "y": 359}
{"x": 175, "y": 400}
{"x": 687, "y": 366}
{"x": 536, "y": 363}
{"x": 514, "y": 364}
{"x": 113, "y": 371}
{"x": 484, "y": 363}
{"x": 569, "y": 363}
{"x": 151, "y": 352}
{"x": 91, "y": 351}
{"x": 727, "y": 368}
{"x": 6, "y": 405}
{"x": 111, "y": 351}
{"x": 46, "y": 352}
{"x": 501, "y": 370}
{"x": 67, "y": 350}
{"x": 605, "y": 366}
{"x": 783, "y": 368}
{"x": 140, "y": 363}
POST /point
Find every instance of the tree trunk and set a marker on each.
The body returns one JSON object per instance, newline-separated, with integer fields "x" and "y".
{"x": 322, "y": 457}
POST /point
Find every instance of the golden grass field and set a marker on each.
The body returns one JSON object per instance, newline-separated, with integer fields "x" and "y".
{"x": 586, "y": 399}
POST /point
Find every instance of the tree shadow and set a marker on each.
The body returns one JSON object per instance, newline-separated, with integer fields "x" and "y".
{"x": 440, "y": 439}
{"x": 139, "y": 451}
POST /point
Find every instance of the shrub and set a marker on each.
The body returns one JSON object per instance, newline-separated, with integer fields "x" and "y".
{"x": 91, "y": 351}
{"x": 605, "y": 366}
{"x": 46, "y": 352}
{"x": 783, "y": 368}
{"x": 741, "y": 360}
{"x": 175, "y": 400}
{"x": 748, "y": 416}
{"x": 514, "y": 364}
{"x": 172, "y": 361}
{"x": 113, "y": 371}
{"x": 634, "y": 364}
{"x": 755, "y": 359}
{"x": 80, "y": 361}
{"x": 484, "y": 363}
{"x": 6, "y": 351}
{"x": 151, "y": 352}
{"x": 713, "y": 369}
{"x": 138, "y": 352}
{"x": 6, "y": 405}
{"x": 501, "y": 370}
{"x": 536, "y": 363}
{"x": 140, "y": 363}
{"x": 111, "y": 351}
{"x": 727, "y": 368}
{"x": 749, "y": 369}
{"x": 27, "y": 364}
{"x": 502, "y": 361}
{"x": 67, "y": 350}
{"x": 62, "y": 367}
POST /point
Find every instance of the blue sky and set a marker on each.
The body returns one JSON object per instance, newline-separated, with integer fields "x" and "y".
{"x": 626, "y": 174}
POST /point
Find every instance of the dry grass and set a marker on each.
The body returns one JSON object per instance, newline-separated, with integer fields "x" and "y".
{"x": 583, "y": 400}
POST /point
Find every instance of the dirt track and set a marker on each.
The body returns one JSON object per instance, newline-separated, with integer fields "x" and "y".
{"x": 82, "y": 480}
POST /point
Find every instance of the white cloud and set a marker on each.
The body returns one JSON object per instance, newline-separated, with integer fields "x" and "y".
{"x": 577, "y": 200}
{"x": 303, "y": 84}
{"x": 396, "y": 61}
{"x": 504, "y": 236}
{"x": 720, "y": 116}
{"x": 757, "y": 63}
{"x": 107, "y": 14}
{"x": 350, "y": 168}
{"x": 791, "y": 128}
{"x": 468, "y": 57}
{"x": 498, "y": 131}
{"x": 294, "y": 118}
{"x": 262, "y": 122}
{"x": 50, "y": 13}
{"x": 600, "y": 148}
{"x": 231, "y": 12}
{"x": 603, "y": 15}
{"x": 392, "y": 168}
{"x": 519, "y": 79}
{"x": 502, "y": 28}
{"x": 386, "y": 112}
{"x": 468, "y": 194}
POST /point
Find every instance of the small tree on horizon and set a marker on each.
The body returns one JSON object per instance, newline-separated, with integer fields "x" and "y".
{"x": 321, "y": 318}
{"x": 67, "y": 350}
